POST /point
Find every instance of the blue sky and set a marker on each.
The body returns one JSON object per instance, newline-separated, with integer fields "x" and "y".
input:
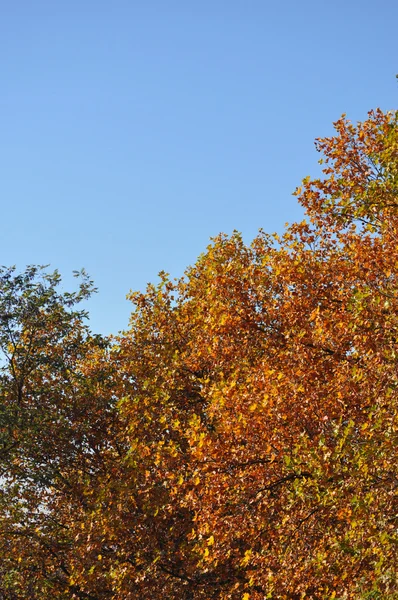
{"x": 132, "y": 132}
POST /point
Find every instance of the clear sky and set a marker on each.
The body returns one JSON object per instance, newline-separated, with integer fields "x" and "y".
{"x": 133, "y": 131}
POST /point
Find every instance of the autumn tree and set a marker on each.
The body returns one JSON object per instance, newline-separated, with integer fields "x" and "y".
{"x": 260, "y": 397}
{"x": 55, "y": 427}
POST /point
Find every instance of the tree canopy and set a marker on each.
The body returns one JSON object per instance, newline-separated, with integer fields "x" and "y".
{"x": 239, "y": 440}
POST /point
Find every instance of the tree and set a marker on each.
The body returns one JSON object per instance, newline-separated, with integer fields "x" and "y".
{"x": 55, "y": 432}
{"x": 261, "y": 399}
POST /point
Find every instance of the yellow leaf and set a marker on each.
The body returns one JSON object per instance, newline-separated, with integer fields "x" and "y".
{"x": 246, "y": 559}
